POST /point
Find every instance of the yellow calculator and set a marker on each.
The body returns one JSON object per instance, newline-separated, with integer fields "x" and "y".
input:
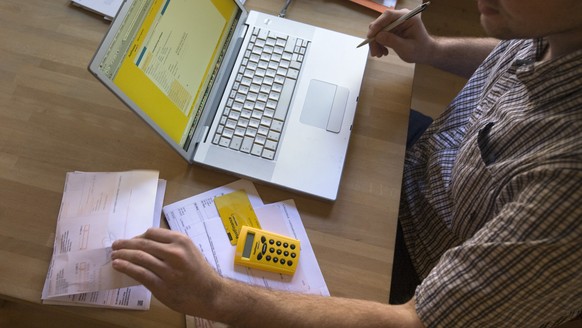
{"x": 266, "y": 250}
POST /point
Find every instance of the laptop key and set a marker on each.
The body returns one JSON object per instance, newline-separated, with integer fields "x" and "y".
{"x": 285, "y": 99}
{"x": 292, "y": 73}
{"x": 257, "y": 150}
{"x": 251, "y": 132}
{"x": 240, "y": 131}
{"x": 274, "y": 135}
{"x": 224, "y": 142}
{"x": 277, "y": 126}
{"x": 261, "y": 139}
{"x": 254, "y": 123}
{"x": 228, "y": 133}
{"x": 216, "y": 139}
{"x": 269, "y": 113}
{"x": 231, "y": 124}
{"x": 270, "y": 144}
{"x": 247, "y": 144}
{"x": 236, "y": 142}
{"x": 290, "y": 45}
{"x": 271, "y": 41}
{"x": 262, "y": 35}
{"x": 268, "y": 154}
{"x": 295, "y": 64}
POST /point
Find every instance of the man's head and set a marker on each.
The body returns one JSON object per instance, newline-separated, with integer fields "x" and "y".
{"x": 557, "y": 20}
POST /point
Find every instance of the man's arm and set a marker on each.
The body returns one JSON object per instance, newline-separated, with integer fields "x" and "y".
{"x": 413, "y": 44}
{"x": 460, "y": 56}
{"x": 173, "y": 269}
{"x": 282, "y": 309}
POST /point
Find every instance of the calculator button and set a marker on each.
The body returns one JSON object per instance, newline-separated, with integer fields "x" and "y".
{"x": 272, "y": 250}
{"x": 263, "y": 239}
{"x": 275, "y": 259}
{"x": 289, "y": 263}
{"x": 264, "y": 250}
{"x": 268, "y": 257}
{"x": 271, "y": 241}
{"x": 285, "y": 245}
{"x": 286, "y": 253}
{"x": 278, "y": 243}
{"x": 279, "y": 252}
{"x": 292, "y": 246}
{"x": 293, "y": 255}
{"x": 282, "y": 261}
{"x": 259, "y": 256}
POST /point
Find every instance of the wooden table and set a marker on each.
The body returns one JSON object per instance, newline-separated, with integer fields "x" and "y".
{"x": 55, "y": 117}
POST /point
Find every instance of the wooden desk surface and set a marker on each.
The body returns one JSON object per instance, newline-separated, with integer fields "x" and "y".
{"x": 55, "y": 117}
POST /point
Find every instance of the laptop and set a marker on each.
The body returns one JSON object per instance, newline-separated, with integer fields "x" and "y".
{"x": 260, "y": 96}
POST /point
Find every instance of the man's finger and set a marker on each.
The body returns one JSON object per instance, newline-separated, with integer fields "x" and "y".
{"x": 161, "y": 235}
{"x": 141, "y": 259}
{"x": 139, "y": 273}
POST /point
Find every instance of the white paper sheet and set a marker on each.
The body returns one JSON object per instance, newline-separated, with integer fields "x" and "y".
{"x": 107, "y": 8}
{"x": 98, "y": 208}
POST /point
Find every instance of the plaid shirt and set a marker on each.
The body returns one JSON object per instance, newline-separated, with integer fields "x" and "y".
{"x": 492, "y": 196}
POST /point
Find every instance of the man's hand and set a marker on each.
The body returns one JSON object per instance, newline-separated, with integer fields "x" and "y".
{"x": 171, "y": 267}
{"x": 410, "y": 39}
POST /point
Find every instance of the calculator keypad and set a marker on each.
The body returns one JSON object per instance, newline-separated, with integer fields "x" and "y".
{"x": 279, "y": 252}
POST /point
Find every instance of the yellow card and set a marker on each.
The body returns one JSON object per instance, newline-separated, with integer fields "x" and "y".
{"x": 236, "y": 211}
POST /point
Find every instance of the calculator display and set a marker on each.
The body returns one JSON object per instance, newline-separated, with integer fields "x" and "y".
{"x": 248, "y": 245}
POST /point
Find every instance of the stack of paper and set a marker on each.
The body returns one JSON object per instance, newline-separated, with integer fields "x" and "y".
{"x": 97, "y": 209}
{"x": 198, "y": 218}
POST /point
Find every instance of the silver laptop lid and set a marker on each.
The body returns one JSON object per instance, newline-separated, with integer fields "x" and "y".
{"x": 169, "y": 60}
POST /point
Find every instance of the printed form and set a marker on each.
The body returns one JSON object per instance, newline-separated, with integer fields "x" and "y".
{"x": 97, "y": 209}
{"x": 198, "y": 218}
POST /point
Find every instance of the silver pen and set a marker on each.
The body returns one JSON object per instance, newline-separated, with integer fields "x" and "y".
{"x": 283, "y": 11}
{"x": 399, "y": 21}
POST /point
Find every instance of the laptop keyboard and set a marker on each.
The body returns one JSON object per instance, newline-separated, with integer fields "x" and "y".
{"x": 255, "y": 112}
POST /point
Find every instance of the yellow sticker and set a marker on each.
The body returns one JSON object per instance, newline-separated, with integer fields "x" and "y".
{"x": 235, "y": 211}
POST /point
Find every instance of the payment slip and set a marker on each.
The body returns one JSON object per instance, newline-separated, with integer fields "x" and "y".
{"x": 235, "y": 211}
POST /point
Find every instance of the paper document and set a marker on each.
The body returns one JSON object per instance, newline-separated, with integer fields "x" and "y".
{"x": 97, "y": 209}
{"x": 107, "y": 8}
{"x": 198, "y": 218}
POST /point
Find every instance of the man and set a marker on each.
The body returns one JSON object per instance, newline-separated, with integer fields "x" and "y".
{"x": 491, "y": 207}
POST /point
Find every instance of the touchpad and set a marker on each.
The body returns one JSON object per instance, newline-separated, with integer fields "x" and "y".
{"x": 324, "y": 105}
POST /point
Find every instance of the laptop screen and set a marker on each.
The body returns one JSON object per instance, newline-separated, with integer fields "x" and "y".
{"x": 164, "y": 58}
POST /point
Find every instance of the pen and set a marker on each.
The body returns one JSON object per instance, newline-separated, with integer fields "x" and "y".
{"x": 399, "y": 21}
{"x": 284, "y": 10}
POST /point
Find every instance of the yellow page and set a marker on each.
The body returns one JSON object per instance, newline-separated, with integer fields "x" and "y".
{"x": 235, "y": 211}
{"x": 170, "y": 62}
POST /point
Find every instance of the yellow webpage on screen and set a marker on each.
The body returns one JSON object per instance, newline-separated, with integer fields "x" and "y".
{"x": 171, "y": 60}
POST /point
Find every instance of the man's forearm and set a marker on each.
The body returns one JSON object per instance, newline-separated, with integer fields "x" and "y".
{"x": 281, "y": 309}
{"x": 460, "y": 56}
